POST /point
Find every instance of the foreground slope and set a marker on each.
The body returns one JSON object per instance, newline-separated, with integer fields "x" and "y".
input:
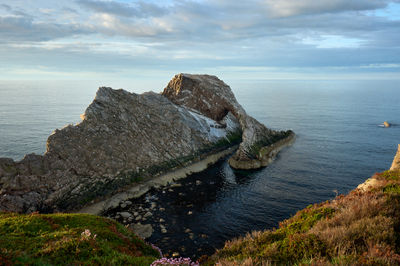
{"x": 361, "y": 228}
{"x": 70, "y": 239}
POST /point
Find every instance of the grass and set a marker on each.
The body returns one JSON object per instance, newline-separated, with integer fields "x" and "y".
{"x": 361, "y": 228}
{"x": 255, "y": 151}
{"x": 54, "y": 239}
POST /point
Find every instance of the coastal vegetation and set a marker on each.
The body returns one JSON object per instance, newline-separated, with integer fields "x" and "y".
{"x": 70, "y": 239}
{"x": 361, "y": 228}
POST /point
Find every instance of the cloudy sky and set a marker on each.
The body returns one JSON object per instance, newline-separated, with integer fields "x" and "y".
{"x": 253, "y": 39}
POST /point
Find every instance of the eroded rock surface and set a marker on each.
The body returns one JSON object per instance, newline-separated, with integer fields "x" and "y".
{"x": 212, "y": 97}
{"x": 125, "y": 137}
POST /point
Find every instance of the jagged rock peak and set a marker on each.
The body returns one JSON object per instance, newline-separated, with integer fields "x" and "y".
{"x": 207, "y": 94}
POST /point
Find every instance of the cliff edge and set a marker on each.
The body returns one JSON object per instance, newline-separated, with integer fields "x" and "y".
{"x": 396, "y": 160}
{"x": 360, "y": 228}
{"x": 126, "y": 137}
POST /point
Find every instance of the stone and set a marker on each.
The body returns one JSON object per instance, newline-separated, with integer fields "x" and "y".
{"x": 161, "y": 220}
{"x": 163, "y": 230}
{"x": 125, "y": 215}
{"x": 123, "y": 136}
{"x": 139, "y": 217}
{"x": 175, "y": 254}
{"x": 135, "y": 213}
{"x": 123, "y": 205}
{"x": 188, "y": 230}
{"x": 198, "y": 182}
{"x": 190, "y": 213}
{"x": 142, "y": 230}
{"x": 147, "y": 214}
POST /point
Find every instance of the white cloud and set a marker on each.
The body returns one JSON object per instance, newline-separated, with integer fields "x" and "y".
{"x": 202, "y": 34}
{"x": 286, "y": 8}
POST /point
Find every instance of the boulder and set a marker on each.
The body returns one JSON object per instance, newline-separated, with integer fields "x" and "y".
{"x": 142, "y": 230}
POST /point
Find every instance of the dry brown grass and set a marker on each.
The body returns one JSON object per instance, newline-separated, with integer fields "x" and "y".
{"x": 361, "y": 228}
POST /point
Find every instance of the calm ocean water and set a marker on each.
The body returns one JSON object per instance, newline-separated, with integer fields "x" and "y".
{"x": 339, "y": 144}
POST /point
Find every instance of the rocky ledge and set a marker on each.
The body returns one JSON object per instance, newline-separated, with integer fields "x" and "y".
{"x": 125, "y": 138}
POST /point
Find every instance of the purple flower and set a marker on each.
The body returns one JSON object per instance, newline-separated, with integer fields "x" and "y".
{"x": 175, "y": 261}
{"x": 158, "y": 249}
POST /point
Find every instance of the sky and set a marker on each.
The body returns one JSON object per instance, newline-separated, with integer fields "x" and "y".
{"x": 242, "y": 40}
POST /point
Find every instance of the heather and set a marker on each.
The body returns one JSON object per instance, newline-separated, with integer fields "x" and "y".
{"x": 361, "y": 228}
{"x": 70, "y": 239}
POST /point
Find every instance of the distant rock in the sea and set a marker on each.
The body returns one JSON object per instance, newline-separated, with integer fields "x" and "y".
{"x": 386, "y": 124}
{"x": 125, "y": 137}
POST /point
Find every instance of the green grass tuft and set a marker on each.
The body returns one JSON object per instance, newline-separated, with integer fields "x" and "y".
{"x": 53, "y": 239}
{"x": 390, "y": 175}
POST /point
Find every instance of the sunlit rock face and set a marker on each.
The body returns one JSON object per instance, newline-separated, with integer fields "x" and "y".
{"x": 212, "y": 97}
{"x": 125, "y": 137}
{"x": 396, "y": 160}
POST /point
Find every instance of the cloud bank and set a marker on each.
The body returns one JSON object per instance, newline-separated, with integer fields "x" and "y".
{"x": 199, "y": 35}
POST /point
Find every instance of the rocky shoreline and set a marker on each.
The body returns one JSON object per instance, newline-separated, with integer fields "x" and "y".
{"x": 141, "y": 188}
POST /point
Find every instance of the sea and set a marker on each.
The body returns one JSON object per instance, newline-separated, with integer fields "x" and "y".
{"x": 340, "y": 143}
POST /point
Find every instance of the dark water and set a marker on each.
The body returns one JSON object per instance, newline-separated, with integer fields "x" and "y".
{"x": 339, "y": 144}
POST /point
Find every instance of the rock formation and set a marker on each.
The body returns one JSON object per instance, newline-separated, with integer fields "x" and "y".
{"x": 125, "y": 137}
{"x": 396, "y": 160}
{"x": 212, "y": 97}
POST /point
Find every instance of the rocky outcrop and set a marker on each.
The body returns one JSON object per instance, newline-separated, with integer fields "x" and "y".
{"x": 212, "y": 97}
{"x": 396, "y": 160}
{"x": 125, "y": 138}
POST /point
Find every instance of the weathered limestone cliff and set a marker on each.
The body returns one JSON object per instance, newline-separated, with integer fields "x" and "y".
{"x": 125, "y": 137}
{"x": 396, "y": 160}
{"x": 212, "y": 97}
